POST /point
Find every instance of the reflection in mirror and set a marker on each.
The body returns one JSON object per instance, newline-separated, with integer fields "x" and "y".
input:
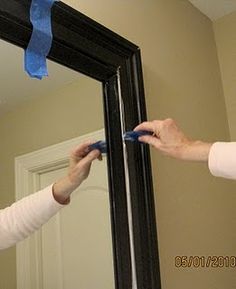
{"x": 39, "y": 121}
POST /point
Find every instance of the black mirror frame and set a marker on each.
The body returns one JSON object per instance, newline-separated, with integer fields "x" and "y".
{"x": 85, "y": 46}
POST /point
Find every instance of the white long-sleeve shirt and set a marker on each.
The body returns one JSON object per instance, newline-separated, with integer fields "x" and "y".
{"x": 222, "y": 160}
{"x": 29, "y": 214}
{"x": 26, "y": 216}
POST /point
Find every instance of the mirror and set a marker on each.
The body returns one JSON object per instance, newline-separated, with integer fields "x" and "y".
{"x": 75, "y": 247}
{"x": 84, "y": 46}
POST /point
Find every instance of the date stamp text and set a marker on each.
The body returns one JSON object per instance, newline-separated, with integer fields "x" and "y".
{"x": 205, "y": 261}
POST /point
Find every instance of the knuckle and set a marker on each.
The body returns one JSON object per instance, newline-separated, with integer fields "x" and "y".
{"x": 169, "y": 122}
{"x": 145, "y": 123}
{"x": 156, "y": 123}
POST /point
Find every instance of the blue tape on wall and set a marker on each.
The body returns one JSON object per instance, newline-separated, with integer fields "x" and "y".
{"x": 41, "y": 38}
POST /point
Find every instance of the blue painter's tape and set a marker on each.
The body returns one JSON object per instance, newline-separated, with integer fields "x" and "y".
{"x": 100, "y": 145}
{"x": 41, "y": 38}
{"x": 134, "y": 135}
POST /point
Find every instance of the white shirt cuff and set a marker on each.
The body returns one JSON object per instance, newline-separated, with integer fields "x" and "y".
{"x": 222, "y": 160}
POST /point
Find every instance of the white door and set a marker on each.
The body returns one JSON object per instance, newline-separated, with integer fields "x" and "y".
{"x": 74, "y": 249}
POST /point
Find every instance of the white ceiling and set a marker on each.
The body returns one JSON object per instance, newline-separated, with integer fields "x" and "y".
{"x": 215, "y": 9}
{"x": 16, "y": 86}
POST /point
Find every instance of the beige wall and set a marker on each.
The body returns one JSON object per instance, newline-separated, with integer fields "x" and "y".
{"x": 195, "y": 211}
{"x": 226, "y": 45}
{"x": 196, "y": 214}
{"x": 71, "y": 111}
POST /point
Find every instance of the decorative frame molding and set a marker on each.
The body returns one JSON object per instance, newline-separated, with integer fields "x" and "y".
{"x": 85, "y": 46}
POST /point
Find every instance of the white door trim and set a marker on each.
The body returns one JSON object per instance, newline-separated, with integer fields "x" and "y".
{"x": 27, "y": 169}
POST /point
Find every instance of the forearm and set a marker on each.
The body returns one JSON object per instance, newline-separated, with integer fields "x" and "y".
{"x": 219, "y": 155}
{"x": 62, "y": 190}
{"x": 195, "y": 151}
{"x": 26, "y": 216}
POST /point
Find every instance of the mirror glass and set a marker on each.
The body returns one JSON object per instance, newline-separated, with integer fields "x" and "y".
{"x": 40, "y": 120}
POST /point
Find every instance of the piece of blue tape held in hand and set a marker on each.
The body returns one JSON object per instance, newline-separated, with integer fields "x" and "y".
{"x": 128, "y": 136}
{"x": 100, "y": 145}
{"x": 134, "y": 135}
{"x": 41, "y": 39}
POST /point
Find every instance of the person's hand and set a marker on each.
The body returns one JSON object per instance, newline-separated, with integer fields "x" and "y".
{"x": 79, "y": 168}
{"x": 170, "y": 140}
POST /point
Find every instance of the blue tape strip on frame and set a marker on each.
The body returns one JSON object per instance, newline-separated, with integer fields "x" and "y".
{"x": 41, "y": 38}
{"x": 134, "y": 135}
